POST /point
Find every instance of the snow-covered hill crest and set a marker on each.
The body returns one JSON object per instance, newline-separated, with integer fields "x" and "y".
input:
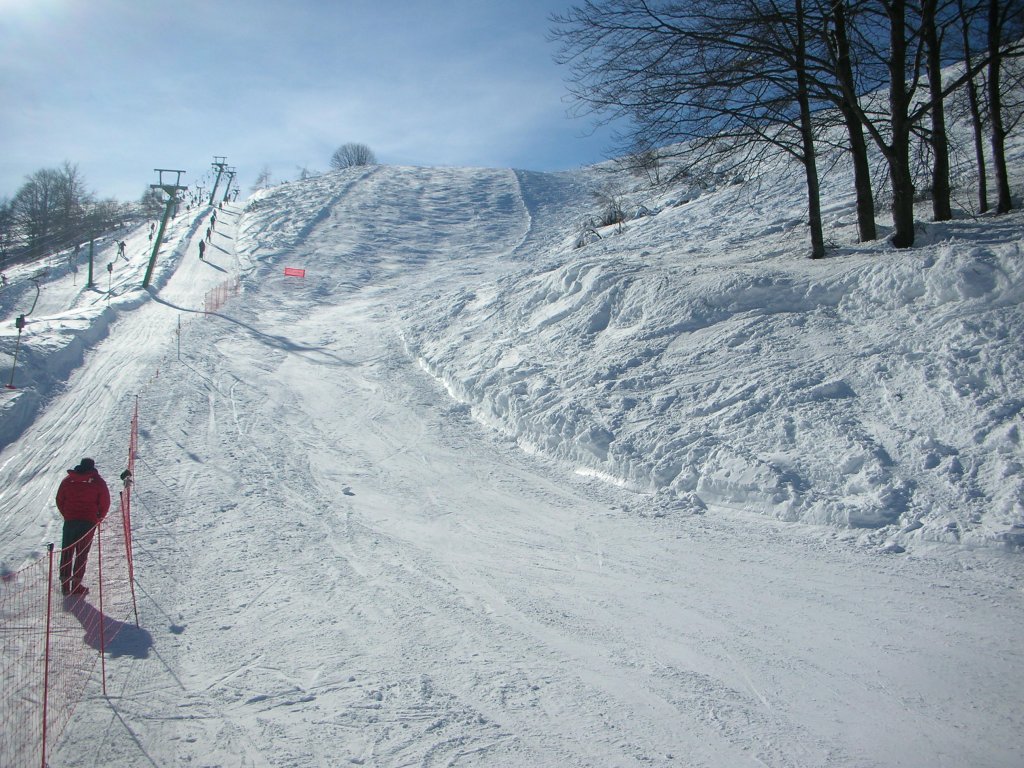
{"x": 336, "y": 563}
{"x": 697, "y": 357}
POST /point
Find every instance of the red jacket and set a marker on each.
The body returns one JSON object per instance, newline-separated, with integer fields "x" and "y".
{"x": 83, "y": 496}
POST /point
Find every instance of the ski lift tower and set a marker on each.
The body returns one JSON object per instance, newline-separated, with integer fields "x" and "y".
{"x": 172, "y": 191}
{"x": 227, "y": 189}
{"x": 220, "y": 164}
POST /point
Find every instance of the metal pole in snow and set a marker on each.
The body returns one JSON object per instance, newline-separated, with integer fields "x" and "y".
{"x": 103, "y": 639}
{"x": 92, "y": 244}
{"x": 46, "y": 651}
{"x": 19, "y": 324}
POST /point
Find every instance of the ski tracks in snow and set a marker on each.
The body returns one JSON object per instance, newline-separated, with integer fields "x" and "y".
{"x": 351, "y": 570}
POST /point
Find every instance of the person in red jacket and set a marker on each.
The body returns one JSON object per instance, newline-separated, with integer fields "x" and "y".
{"x": 83, "y": 500}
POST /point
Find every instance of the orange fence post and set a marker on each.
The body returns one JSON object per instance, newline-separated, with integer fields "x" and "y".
{"x": 46, "y": 658}
{"x": 103, "y": 616}
{"x": 128, "y": 478}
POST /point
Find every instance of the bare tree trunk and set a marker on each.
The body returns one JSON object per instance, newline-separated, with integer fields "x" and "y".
{"x": 942, "y": 209}
{"x": 995, "y": 105}
{"x": 807, "y": 138}
{"x": 858, "y": 145}
{"x": 979, "y": 146}
{"x": 975, "y": 107}
{"x": 898, "y": 152}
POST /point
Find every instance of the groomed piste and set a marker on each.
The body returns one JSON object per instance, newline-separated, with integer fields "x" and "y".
{"x": 474, "y": 490}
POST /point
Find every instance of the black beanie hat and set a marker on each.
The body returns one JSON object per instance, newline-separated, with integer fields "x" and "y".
{"x": 86, "y": 465}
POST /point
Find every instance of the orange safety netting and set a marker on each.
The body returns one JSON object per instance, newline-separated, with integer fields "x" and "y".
{"x": 49, "y": 643}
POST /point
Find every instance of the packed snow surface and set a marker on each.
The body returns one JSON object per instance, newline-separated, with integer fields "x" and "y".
{"x": 467, "y": 494}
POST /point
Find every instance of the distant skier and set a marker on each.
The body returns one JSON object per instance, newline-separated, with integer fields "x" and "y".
{"x": 209, "y": 234}
{"x": 120, "y": 249}
{"x": 83, "y": 500}
{"x": 213, "y": 220}
{"x": 202, "y": 249}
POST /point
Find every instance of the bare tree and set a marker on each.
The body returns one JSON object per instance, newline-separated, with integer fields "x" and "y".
{"x": 643, "y": 162}
{"x": 727, "y": 77}
{"x": 351, "y": 155}
{"x": 74, "y": 200}
{"x": 102, "y": 216}
{"x": 262, "y": 179}
{"x": 611, "y": 205}
{"x": 48, "y": 209}
{"x": 1005, "y": 19}
{"x": 8, "y": 235}
{"x": 903, "y": 85}
{"x": 904, "y": 25}
{"x": 153, "y": 201}
{"x": 836, "y": 16}
{"x": 968, "y": 10}
{"x": 933, "y": 26}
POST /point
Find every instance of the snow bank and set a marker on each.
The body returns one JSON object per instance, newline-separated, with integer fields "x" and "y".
{"x": 699, "y": 357}
{"x": 66, "y": 317}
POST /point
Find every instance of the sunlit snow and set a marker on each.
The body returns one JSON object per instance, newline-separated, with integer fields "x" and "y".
{"x": 467, "y": 494}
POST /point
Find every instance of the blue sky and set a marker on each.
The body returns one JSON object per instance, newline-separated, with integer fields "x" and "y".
{"x": 120, "y": 87}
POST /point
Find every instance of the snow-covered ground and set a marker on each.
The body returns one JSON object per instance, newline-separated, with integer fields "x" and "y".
{"x": 467, "y": 495}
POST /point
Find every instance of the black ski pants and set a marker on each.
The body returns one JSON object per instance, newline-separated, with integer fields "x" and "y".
{"x": 74, "y": 553}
